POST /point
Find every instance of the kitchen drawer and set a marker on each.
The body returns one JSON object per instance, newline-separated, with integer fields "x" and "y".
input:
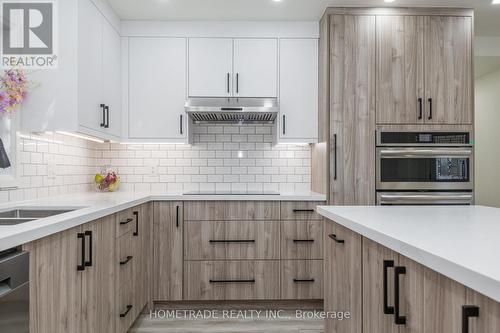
{"x": 300, "y": 210}
{"x": 231, "y": 210}
{"x": 125, "y": 260}
{"x": 302, "y": 240}
{"x": 231, "y": 280}
{"x": 302, "y": 279}
{"x": 225, "y": 240}
{"x": 124, "y": 308}
{"x": 125, "y": 222}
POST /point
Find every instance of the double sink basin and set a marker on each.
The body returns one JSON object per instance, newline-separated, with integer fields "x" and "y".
{"x": 23, "y": 215}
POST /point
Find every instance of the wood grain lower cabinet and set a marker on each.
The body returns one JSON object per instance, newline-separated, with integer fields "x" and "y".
{"x": 489, "y": 313}
{"x": 140, "y": 245}
{"x": 231, "y": 240}
{"x": 232, "y": 210}
{"x": 343, "y": 278}
{"x": 302, "y": 240}
{"x": 55, "y": 283}
{"x": 232, "y": 280}
{"x": 168, "y": 227}
{"x": 302, "y": 279}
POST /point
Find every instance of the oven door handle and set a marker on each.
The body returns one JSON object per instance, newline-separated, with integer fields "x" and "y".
{"x": 425, "y": 153}
{"x": 424, "y": 198}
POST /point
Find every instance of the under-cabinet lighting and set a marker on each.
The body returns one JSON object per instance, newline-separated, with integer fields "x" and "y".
{"x": 81, "y": 136}
{"x": 35, "y": 137}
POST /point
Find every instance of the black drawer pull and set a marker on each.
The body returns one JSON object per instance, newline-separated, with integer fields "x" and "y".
{"x": 303, "y": 240}
{"x": 232, "y": 241}
{"x": 303, "y": 280}
{"x": 103, "y": 123}
{"x": 129, "y": 307}
{"x": 89, "y": 262}
{"x": 127, "y": 221}
{"x": 81, "y": 267}
{"x": 468, "y": 311}
{"x": 398, "y": 319}
{"x": 126, "y": 261}
{"x": 177, "y": 216}
{"x": 430, "y": 108}
{"x": 387, "y": 309}
{"x": 233, "y": 281}
{"x": 334, "y": 237}
{"x": 303, "y": 210}
{"x": 420, "y": 108}
{"x": 136, "y": 232}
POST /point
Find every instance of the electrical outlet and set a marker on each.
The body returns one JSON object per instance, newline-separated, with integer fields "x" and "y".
{"x": 154, "y": 171}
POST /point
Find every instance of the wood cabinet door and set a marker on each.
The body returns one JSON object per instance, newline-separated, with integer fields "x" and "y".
{"x": 448, "y": 70}
{"x": 210, "y": 67}
{"x": 140, "y": 266}
{"x": 412, "y": 296}
{"x": 157, "y": 88}
{"x": 443, "y": 299}
{"x": 167, "y": 251}
{"x": 400, "y": 65}
{"x": 489, "y": 313}
{"x": 98, "y": 282}
{"x": 255, "y": 67}
{"x": 342, "y": 277}
{"x": 55, "y": 283}
{"x": 352, "y": 112}
{"x": 378, "y": 287}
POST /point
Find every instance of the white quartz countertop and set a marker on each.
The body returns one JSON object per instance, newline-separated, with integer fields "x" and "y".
{"x": 90, "y": 206}
{"x": 460, "y": 242}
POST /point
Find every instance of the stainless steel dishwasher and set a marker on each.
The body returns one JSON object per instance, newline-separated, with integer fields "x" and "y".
{"x": 14, "y": 291}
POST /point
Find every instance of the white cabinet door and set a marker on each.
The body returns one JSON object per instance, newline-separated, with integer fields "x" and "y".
{"x": 299, "y": 90}
{"x": 90, "y": 66}
{"x": 255, "y": 68}
{"x": 210, "y": 67}
{"x": 111, "y": 55}
{"x": 157, "y": 88}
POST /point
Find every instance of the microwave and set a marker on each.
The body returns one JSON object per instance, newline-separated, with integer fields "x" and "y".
{"x": 424, "y": 161}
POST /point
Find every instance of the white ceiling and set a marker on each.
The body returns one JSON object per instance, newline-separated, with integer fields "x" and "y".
{"x": 487, "y": 15}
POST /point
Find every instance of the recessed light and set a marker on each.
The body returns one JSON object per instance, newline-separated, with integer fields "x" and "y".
{"x": 495, "y": 2}
{"x": 389, "y": 1}
{"x": 277, "y": 0}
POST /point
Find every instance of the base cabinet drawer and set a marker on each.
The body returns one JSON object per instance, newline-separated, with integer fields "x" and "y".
{"x": 220, "y": 240}
{"x": 300, "y": 210}
{"x": 125, "y": 308}
{"x": 232, "y": 280}
{"x": 124, "y": 261}
{"x": 302, "y": 279}
{"x": 232, "y": 210}
{"x": 302, "y": 240}
{"x": 125, "y": 222}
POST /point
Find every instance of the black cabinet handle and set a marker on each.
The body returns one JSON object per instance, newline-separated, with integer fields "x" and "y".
{"x": 177, "y": 216}
{"x": 303, "y": 240}
{"x": 237, "y": 83}
{"x": 232, "y": 241}
{"x": 468, "y": 311}
{"x": 420, "y": 108}
{"x": 232, "y": 281}
{"x": 335, "y": 157}
{"x": 106, "y": 108}
{"x": 103, "y": 110}
{"x": 180, "y": 126}
{"x": 127, "y": 221}
{"x": 89, "y": 262}
{"x": 430, "y": 109}
{"x": 81, "y": 267}
{"x": 387, "y": 309}
{"x": 398, "y": 319}
{"x": 302, "y": 280}
{"x": 284, "y": 125}
{"x": 136, "y": 232}
{"x": 124, "y": 314}
{"x": 124, "y": 262}
{"x": 303, "y": 210}
{"x": 334, "y": 237}
{"x": 228, "y": 83}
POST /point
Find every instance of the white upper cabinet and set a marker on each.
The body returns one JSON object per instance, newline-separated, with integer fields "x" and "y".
{"x": 222, "y": 67}
{"x": 69, "y": 97}
{"x": 298, "y": 121}
{"x": 157, "y": 88}
{"x": 210, "y": 67}
{"x": 255, "y": 68}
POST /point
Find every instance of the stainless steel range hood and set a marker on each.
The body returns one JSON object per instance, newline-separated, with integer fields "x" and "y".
{"x": 232, "y": 110}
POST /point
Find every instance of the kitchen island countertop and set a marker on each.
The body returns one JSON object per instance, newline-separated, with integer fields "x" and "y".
{"x": 460, "y": 242}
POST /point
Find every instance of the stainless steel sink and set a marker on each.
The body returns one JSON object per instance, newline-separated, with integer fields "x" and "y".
{"x": 23, "y": 215}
